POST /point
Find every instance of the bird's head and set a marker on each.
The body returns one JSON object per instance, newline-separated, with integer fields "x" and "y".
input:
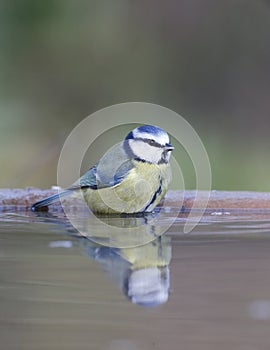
{"x": 148, "y": 143}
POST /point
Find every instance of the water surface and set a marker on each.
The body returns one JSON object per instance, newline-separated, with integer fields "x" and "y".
{"x": 211, "y": 287}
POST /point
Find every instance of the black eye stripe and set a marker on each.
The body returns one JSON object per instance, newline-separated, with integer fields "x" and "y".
{"x": 151, "y": 142}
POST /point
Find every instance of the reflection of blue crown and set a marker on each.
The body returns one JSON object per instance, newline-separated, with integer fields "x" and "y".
{"x": 149, "y": 286}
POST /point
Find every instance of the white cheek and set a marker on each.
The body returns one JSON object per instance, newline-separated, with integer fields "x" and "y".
{"x": 152, "y": 154}
{"x": 146, "y": 152}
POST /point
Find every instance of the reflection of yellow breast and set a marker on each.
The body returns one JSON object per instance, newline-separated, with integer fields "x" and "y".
{"x": 143, "y": 188}
{"x": 157, "y": 253}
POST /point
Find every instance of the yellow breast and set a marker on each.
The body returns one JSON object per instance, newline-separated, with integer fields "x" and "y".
{"x": 143, "y": 188}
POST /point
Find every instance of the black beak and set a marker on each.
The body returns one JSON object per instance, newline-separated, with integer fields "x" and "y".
{"x": 168, "y": 147}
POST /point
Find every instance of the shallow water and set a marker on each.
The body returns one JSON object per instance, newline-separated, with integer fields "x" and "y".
{"x": 209, "y": 289}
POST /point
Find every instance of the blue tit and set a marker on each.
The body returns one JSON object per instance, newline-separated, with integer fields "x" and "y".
{"x": 132, "y": 177}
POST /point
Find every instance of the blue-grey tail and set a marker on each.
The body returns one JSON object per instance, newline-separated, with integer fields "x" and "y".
{"x": 49, "y": 200}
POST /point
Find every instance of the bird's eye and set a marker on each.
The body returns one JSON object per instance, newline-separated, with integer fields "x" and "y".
{"x": 152, "y": 142}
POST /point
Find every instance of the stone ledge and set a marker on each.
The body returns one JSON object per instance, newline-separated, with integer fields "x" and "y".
{"x": 218, "y": 199}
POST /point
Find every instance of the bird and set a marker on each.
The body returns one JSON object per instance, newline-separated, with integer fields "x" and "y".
{"x": 131, "y": 177}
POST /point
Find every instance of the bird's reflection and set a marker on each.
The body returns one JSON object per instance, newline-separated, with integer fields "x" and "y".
{"x": 140, "y": 270}
{"x": 142, "y": 273}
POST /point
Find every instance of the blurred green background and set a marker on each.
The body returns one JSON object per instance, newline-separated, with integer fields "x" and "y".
{"x": 62, "y": 60}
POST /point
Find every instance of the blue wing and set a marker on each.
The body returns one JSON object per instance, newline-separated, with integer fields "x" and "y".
{"x": 89, "y": 179}
{"x": 96, "y": 177}
{"x": 112, "y": 168}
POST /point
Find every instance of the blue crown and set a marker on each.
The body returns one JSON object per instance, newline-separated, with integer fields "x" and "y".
{"x": 149, "y": 129}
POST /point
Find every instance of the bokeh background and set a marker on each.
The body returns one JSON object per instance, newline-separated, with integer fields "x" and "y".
{"x": 61, "y": 60}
